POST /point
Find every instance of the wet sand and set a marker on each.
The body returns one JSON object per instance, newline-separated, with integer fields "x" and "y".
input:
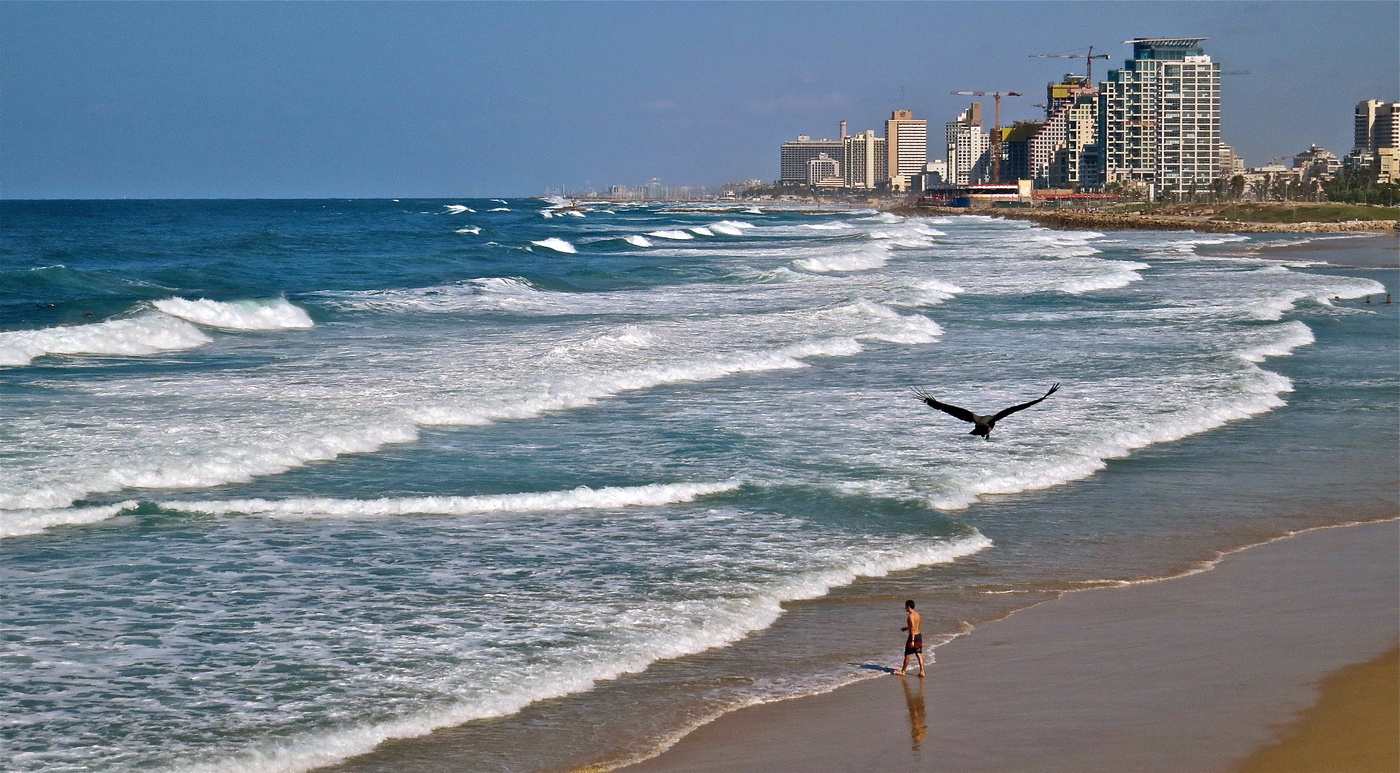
{"x": 1195, "y": 673}
{"x": 1372, "y": 251}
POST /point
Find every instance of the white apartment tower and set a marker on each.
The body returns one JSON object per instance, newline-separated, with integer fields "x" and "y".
{"x": 906, "y": 142}
{"x": 969, "y": 160}
{"x": 1159, "y": 117}
{"x": 867, "y": 160}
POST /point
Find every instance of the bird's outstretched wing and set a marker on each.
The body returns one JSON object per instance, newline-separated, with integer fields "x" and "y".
{"x": 1007, "y": 412}
{"x": 951, "y": 410}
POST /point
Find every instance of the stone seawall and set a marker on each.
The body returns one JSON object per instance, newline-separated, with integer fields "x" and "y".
{"x": 1102, "y": 221}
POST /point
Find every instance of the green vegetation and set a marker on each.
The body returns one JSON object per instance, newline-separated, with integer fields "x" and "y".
{"x": 1360, "y": 186}
{"x": 1304, "y": 213}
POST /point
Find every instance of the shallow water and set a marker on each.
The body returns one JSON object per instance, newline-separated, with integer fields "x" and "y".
{"x": 315, "y": 475}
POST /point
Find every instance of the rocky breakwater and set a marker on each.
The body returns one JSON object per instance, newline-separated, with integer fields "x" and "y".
{"x": 1107, "y": 221}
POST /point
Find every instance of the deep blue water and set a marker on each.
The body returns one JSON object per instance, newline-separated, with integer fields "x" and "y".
{"x": 282, "y": 480}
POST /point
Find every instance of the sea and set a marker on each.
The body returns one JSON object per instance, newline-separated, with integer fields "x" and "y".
{"x": 541, "y": 485}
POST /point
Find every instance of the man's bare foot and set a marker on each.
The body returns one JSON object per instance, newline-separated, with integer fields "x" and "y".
{"x": 921, "y": 675}
{"x": 898, "y": 672}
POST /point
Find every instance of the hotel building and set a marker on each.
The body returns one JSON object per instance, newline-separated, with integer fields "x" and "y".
{"x": 795, "y": 155}
{"x": 906, "y": 143}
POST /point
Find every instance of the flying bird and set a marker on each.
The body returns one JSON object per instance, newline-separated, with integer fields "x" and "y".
{"x": 983, "y": 424}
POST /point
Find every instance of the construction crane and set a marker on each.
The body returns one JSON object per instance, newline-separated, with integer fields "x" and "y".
{"x": 1087, "y": 57}
{"x": 996, "y": 126}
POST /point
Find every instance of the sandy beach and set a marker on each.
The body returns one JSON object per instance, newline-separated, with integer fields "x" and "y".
{"x": 1196, "y": 673}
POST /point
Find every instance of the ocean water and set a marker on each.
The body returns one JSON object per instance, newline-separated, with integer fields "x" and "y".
{"x": 286, "y": 485}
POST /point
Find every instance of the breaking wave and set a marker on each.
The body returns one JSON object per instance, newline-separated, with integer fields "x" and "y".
{"x": 276, "y": 314}
{"x": 556, "y": 244}
{"x": 139, "y": 335}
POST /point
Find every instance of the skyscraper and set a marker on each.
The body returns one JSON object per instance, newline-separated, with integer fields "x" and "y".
{"x": 1159, "y": 117}
{"x": 867, "y": 160}
{"x": 906, "y": 140}
{"x": 968, "y": 148}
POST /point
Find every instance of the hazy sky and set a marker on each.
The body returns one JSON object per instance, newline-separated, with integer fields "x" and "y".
{"x": 312, "y": 99}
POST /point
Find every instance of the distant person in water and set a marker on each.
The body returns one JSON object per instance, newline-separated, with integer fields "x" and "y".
{"x": 914, "y": 645}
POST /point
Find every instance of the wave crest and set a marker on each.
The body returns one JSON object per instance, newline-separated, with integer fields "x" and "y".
{"x": 140, "y": 335}
{"x": 274, "y": 314}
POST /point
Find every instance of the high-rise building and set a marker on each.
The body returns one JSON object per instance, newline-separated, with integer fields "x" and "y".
{"x": 1076, "y": 161}
{"x": 1159, "y": 117}
{"x": 1018, "y": 145}
{"x": 867, "y": 160}
{"x": 906, "y": 143}
{"x": 969, "y": 161}
{"x": 795, "y": 155}
{"x": 1377, "y": 125}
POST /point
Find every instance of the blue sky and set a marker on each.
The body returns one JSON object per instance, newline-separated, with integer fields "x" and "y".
{"x": 394, "y": 99}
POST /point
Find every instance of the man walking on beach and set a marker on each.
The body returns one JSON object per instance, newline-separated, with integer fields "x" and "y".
{"x": 914, "y": 645}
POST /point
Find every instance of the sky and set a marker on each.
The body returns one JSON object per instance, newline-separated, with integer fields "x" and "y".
{"x": 478, "y": 99}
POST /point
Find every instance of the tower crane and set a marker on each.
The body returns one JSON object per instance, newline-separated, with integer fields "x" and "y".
{"x": 996, "y": 126}
{"x": 1087, "y": 57}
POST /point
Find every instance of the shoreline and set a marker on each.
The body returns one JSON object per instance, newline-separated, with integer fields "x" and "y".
{"x": 1056, "y": 686}
{"x": 1365, "y": 251}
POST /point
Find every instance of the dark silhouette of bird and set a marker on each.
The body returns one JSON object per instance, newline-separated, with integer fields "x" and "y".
{"x": 982, "y": 424}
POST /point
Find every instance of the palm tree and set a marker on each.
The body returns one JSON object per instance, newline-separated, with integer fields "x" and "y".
{"x": 1237, "y": 184}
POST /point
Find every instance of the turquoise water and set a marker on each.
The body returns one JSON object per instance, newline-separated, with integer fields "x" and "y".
{"x": 317, "y": 475}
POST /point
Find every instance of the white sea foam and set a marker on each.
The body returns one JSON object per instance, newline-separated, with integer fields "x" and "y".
{"x": 677, "y": 235}
{"x": 17, "y": 523}
{"x": 457, "y": 209}
{"x": 471, "y": 229}
{"x": 1286, "y": 338}
{"x": 847, "y": 259}
{"x": 837, "y": 226}
{"x": 726, "y": 229}
{"x": 659, "y": 637}
{"x": 637, "y": 240}
{"x": 700, "y": 230}
{"x": 556, "y": 244}
{"x": 139, "y": 335}
{"x": 274, "y": 314}
{"x": 499, "y": 209}
{"x": 583, "y": 497}
{"x": 1120, "y": 273}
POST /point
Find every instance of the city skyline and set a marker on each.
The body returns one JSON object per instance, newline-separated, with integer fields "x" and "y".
{"x": 229, "y": 100}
